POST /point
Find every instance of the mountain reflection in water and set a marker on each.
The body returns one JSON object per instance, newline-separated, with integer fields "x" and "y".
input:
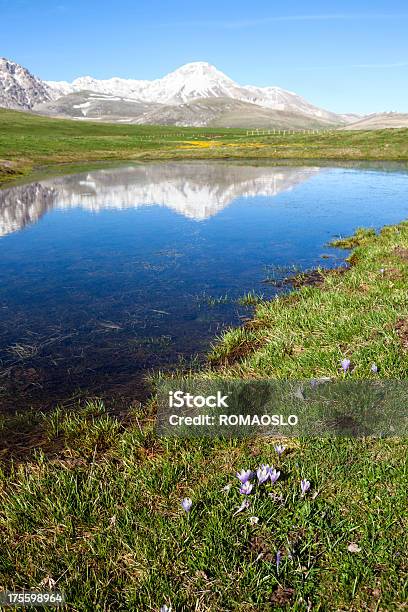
{"x": 196, "y": 190}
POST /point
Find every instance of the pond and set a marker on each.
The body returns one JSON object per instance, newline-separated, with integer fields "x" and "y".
{"x": 109, "y": 274}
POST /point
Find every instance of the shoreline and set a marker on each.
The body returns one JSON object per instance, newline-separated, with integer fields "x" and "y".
{"x": 33, "y": 144}
{"x": 19, "y": 176}
{"x": 235, "y": 351}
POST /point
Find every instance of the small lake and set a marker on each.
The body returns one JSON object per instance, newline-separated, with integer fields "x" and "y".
{"x": 108, "y": 274}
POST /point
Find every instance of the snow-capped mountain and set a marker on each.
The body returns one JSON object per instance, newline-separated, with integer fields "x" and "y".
{"x": 190, "y": 82}
{"x": 19, "y": 88}
{"x": 168, "y": 100}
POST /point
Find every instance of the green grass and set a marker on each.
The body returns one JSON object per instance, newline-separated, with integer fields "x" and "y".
{"x": 354, "y": 315}
{"x": 96, "y": 505}
{"x": 28, "y": 142}
{"x": 106, "y": 522}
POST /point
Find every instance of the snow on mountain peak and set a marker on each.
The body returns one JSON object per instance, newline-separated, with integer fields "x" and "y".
{"x": 18, "y": 87}
{"x": 189, "y": 82}
{"x": 192, "y": 81}
{"x": 198, "y": 69}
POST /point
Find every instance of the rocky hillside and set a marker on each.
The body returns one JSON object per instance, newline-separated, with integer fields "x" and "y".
{"x": 20, "y": 89}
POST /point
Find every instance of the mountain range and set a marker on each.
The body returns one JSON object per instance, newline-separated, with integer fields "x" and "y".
{"x": 196, "y": 94}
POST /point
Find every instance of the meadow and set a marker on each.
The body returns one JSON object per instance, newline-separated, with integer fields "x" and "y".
{"x": 97, "y": 505}
{"x": 31, "y": 144}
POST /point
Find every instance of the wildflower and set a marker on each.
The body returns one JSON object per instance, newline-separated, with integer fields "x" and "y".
{"x": 278, "y": 559}
{"x": 226, "y": 488}
{"x": 345, "y": 364}
{"x": 244, "y": 475}
{"x": 382, "y": 270}
{"x": 374, "y": 368}
{"x": 246, "y": 488}
{"x": 305, "y": 486}
{"x": 245, "y": 504}
{"x": 165, "y": 609}
{"x": 280, "y": 449}
{"x": 273, "y": 475}
{"x": 186, "y": 504}
{"x": 263, "y": 473}
{"x": 253, "y": 520}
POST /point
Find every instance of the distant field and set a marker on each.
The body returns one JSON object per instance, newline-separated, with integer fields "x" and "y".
{"x": 28, "y": 142}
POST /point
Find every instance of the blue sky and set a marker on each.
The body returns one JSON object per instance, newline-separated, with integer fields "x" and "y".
{"x": 344, "y": 56}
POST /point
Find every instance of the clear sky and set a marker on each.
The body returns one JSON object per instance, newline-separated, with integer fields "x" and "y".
{"x": 348, "y": 56}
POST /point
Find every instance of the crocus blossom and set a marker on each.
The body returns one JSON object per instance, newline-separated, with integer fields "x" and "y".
{"x": 244, "y": 475}
{"x": 246, "y": 488}
{"x": 273, "y": 475}
{"x": 278, "y": 559}
{"x": 305, "y": 486}
{"x": 345, "y": 364}
{"x": 374, "y": 368}
{"x": 279, "y": 448}
{"x": 263, "y": 473}
{"x": 186, "y": 504}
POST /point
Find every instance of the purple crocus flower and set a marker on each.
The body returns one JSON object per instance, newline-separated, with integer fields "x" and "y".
{"x": 246, "y": 488}
{"x": 280, "y": 449}
{"x": 273, "y": 475}
{"x": 244, "y": 475}
{"x": 345, "y": 364}
{"x": 186, "y": 504}
{"x": 374, "y": 368}
{"x": 263, "y": 473}
{"x": 305, "y": 486}
{"x": 278, "y": 559}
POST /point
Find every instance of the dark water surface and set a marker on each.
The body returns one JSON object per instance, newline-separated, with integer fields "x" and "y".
{"x": 109, "y": 273}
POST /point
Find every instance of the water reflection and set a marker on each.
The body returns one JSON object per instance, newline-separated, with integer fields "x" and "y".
{"x": 196, "y": 190}
{"x": 90, "y": 302}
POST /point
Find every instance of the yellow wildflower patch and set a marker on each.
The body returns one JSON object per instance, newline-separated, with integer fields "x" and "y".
{"x": 205, "y": 144}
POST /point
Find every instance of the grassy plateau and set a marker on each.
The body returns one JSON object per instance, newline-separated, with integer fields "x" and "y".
{"x": 28, "y": 143}
{"x": 91, "y": 503}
